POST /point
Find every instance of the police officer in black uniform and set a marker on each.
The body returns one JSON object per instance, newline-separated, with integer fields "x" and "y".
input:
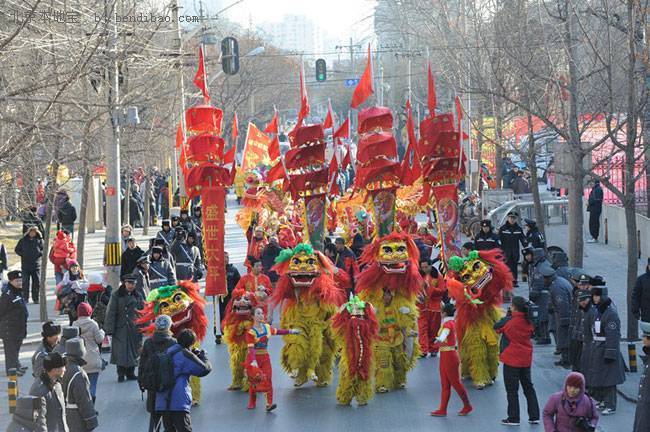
{"x": 510, "y": 236}
{"x": 533, "y": 236}
{"x": 486, "y": 239}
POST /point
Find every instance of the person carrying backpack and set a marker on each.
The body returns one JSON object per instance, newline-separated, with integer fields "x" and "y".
{"x": 175, "y": 400}
{"x": 148, "y": 369}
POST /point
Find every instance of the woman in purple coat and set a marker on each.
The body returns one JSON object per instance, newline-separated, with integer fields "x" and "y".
{"x": 571, "y": 409}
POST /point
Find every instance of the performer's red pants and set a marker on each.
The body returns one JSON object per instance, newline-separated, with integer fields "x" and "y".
{"x": 450, "y": 377}
{"x": 428, "y": 326}
{"x": 266, "y": 386}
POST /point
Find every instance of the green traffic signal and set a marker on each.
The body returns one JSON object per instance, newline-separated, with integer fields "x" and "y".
{"x": 321, "y": 70}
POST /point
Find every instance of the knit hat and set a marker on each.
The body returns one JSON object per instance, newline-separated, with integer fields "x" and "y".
{"x": 583, "y": 295}
{"x": 14, "y": 274}
{"x": 50, "y": 329}
{"x": 53, "y": 360}
{"x": 72, "y": 262}
{"x": 163, "y": 323}
{"x": 84, "y": 310}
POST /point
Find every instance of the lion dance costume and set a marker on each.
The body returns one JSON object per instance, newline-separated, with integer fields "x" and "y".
{"x": 186, "y": 307}
{"x": 238, "y": 319}
{"x": 356, "y": 330}
{"x": 310, "y": 297}
{"x": 477, "y": 284}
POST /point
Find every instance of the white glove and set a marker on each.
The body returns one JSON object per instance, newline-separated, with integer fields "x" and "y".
{"x": 254, "y": 363}
{"x": 294, "y": 331}
{"x": 405, "y": 309}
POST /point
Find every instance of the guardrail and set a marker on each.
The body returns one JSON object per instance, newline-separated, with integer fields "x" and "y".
{"x": 555, "y": 211}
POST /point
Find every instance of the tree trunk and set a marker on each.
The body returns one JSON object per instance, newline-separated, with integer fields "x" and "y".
{"x": 83, "y": 213}
{"x": 534, "y": 183}
{"x": 632, "y": 263}
{"x": 46, "y": 235}
{"x": 147, "y": 203}
{"x": 92, "y": 205}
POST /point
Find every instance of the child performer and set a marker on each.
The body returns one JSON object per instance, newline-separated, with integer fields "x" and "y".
{"x": 449, "y": 364}
{"x": 429, "y": 302}
{"x": 258, "y": 359}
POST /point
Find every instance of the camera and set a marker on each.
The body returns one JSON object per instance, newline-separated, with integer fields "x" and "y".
{"x": 532, "y": 312}
{"x": 584, "y": 424}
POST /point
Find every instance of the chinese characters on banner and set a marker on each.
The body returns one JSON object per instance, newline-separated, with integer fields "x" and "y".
{"x": 214, "y": 199}
{"x": 256, "y": 149}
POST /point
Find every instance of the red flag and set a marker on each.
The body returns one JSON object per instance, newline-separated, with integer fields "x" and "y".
{"x": 459, "y": 112}
{"x": 411, "y": 169}
{"x": 333, "y": 174}
{"x": 304, "y": 102}
{"x": 272, "y": 127}
{"x": 432, "y": 101}
{"x": 364, "y": 88}
{"x": 274, "y": 148}
{"x": 200, "y": 79}
{"x": 346, "y": 160}
{"x": 179, "y": 135}
{"x": 235, "y": 129}
{"x": 344, "y": 130}
{"x": 329, "y": 121}
{"x": 276, "y": 173}
{"x": 229, "y": 157}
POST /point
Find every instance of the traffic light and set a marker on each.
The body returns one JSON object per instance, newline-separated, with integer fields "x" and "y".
{"x": 230, "y": 55}
{"x": 321, "y": 70}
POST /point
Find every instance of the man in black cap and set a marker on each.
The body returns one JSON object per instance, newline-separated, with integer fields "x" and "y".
{"x": 560, "y": 291}
{"x": 175, "y": 222}
{"x": 47, "y": 387}
{"x": 130, "y": 256}
{"x": 187, "y": 256}
{"x": 51, "y": 334}
{"x": 642, "y": 416}
{"x": 537, "y": 292}
{"x": 166, "y": 233}
{"x": 604, "y": 364}
{"x": 13, "y": 321}
{"x": 511, "y": 236}
{"x": 595, "y": 208}
{"x": 486, "y": 239}
{"x": 161, "y": 272}
{"x": 641, "y": 296}
{"x": 533, "y": 236}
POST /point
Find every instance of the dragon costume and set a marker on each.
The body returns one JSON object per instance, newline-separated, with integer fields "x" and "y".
{"x": 356, "y": 330}
{"x": 238, "y": 319}
{"x": 391, "y": 281}
{"x": 477, "y": 284}
{"x": 310, "y": 297}
{"x": 186, "y": 307}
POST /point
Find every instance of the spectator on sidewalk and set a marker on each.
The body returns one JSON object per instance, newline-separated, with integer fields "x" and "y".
{"x": 30, "y": 218}
{"x": 605, "y": 366}
{"x": 641, "y": 296}
{"x": 47, "y": 387}
{"x": 517, "y": 357}
{"x": 560, "y": 292}
{"x": 30, "y": 251}
{"x": 130, "y": 256}
{"x": 13, "y": 321}
{"x": 120, "y": 323}
{"x": 127, "y": 233}
{"x": 570, "y": 410}
{"x": 73, "y": 289}
{"x": 595, "y": 208}
{"x": 62, "y": 252}
{"x": 159, "y": 342}
{"x": 80, "y": 411}
{"x": 511, "y": 235}
{"x": 177, "y": 403}
{"x": 51, "y": 334}
{"x": 642, "y": 415}
{"x": 67, "y": 215}
{"x": 93, "y": 337}
{"x": 486, "y": 239}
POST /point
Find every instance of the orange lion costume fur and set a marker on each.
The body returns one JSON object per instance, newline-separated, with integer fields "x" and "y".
{"x": 237, "y": 321}
{"x": 391, "y": 281}
{"x": 309, "y": 297}
{"x": 477, "y": 284}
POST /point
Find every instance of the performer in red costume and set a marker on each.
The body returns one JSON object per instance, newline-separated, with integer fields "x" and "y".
{"x": 449, "y": 364}
{"x": 257, "y": 241}
{"x": 257, "y": 283}
{"x": 258, "y": 362}
{"x": 429, "y": 307}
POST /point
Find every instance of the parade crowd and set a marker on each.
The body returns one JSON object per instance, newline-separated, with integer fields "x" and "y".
{"x": 564, "y": 307}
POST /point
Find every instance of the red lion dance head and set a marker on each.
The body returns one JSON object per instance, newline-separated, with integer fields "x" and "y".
{"x": 182, "y": 302}
{"x": 239, "y": 310}
{"x": 478, "y": 281}
{"x": 392, "y": 262}
{"x": 306, "y": 273}
{"x": 357, "y": 323}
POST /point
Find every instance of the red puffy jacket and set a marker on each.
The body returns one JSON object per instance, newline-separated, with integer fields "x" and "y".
{"x": 516, "y": 345}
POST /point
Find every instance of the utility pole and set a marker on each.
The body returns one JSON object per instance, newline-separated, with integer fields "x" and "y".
{"x": 178, "y": 47}
{"x": 112, "y": 244}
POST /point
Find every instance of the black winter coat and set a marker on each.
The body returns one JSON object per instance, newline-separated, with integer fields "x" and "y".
{"x": 641, "y": 297}
{"x": 487, "y": 241}
{"x": 13, "y": 315}
{"x": 157, "y": 343}
{"x": 129, "y": 260}
{"x": 67, "y": 214}
{"x": 30, "y": 251}
{"x": 510, "y": 237}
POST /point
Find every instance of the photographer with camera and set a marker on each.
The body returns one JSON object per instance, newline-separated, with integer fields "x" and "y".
{"x": 571, "y": 410}
{"x": 516, "y": 330}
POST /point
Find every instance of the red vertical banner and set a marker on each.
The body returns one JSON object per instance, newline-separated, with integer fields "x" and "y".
{"x": 213, "y": 199}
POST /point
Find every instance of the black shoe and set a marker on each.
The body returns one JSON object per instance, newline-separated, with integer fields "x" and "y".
{"x": 271, "y": 407}
{"x": 510, "y": 422}
{"x": 131, "y": 377}
{"x": 23, "y": 368}
{"x": 120, "y": 378}
{"x": 217, "y": 340}
{"x": 557, "y": 352}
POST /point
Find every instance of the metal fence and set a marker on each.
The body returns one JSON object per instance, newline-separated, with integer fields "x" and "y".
{"x": 614, "y": 171}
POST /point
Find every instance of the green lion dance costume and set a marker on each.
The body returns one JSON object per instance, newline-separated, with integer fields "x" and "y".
{"x": 184, "y": 304}
{"x": 310, "y": 297}
{"x": 477, "y": 283}
{"x": 356, "y": 330}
